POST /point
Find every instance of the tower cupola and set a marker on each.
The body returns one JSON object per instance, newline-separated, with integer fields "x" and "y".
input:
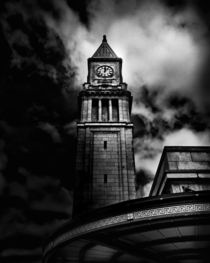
{"x": 104, "y": 67}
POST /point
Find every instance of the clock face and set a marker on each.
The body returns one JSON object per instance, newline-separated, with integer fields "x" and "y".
{"x": 104, "y": 71}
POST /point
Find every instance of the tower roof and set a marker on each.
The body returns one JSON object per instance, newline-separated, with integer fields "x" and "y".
{"x": 104, "y": 50}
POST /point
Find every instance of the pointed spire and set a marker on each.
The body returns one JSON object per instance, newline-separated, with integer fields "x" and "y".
{"x": 104, "y": 50}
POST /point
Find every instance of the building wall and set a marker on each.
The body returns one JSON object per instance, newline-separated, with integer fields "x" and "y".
{"x": 105, "y": 165}
{"x": 183, "y": 169}
{"x": 189, "y": 160}
{"x": 193, "y": 174}
{"x": 106, "y": 168}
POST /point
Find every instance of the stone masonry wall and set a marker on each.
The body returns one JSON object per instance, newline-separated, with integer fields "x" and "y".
{"x": 105, "y": 166}
{"x": 189, "y": 160}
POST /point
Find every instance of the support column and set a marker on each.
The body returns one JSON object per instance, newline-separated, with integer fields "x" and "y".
{"x": 99, "y": 110}
{"x": 127, "y": 110}
{"x": 110, "y": 110}
{"x": 120, "y": 110}
{"x": 82, "y": 110}
{"x": 89, "y": 108}
{"x": 124, "y": 106}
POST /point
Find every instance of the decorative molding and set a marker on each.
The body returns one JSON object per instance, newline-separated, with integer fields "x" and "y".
{"x": 101, "y": 92}
{"x": 128, "y": 218}
{"x": 171, "y": 210}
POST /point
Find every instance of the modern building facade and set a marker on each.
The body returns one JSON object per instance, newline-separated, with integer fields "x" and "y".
{"x": 109, "y": 223}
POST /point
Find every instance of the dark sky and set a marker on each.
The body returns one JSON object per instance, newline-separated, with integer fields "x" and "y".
{"x": 44, "y": 48}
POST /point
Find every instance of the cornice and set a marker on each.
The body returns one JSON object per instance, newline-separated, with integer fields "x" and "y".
{"x": 102, "y": 92}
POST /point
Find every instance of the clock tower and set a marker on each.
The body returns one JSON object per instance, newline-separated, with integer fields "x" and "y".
{"x": 104, "y": 67}
{"x": 105, "y": 170}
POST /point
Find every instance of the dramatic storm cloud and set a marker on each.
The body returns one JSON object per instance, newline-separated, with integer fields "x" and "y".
{"x": 37, "y": 144}
{"x": 44, "y": 51}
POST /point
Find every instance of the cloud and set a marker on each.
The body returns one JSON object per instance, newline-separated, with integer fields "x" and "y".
{"x": 144, "y": 180}
{"x": 50, "y": 129}
{"x": 37, "y": 101}
{"x": 147, "y": 153}
{"x": 186, "y": 137}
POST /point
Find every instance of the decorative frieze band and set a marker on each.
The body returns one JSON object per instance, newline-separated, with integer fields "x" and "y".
{"x": 128, "y": 217}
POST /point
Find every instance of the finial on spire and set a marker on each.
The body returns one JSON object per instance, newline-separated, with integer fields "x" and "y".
{"x": 104, "y": 38}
